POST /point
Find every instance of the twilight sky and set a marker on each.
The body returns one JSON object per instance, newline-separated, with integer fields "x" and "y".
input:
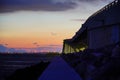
{"x": 43, "y": 23}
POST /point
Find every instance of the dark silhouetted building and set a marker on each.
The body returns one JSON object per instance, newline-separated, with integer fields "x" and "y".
{"x": 100, "y": 29}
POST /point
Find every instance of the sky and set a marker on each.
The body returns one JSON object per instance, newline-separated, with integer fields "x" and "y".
{"x": 43, "y": 24}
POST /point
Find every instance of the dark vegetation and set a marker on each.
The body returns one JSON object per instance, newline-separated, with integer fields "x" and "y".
{"x": 29, "y": 73}
{"x": 99, "y": 64}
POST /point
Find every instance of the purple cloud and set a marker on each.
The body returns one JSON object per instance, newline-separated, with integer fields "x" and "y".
{"x": 49, "y": 49}
{"x": 41, "y": 5}
{"x": 3, "y": 48}
{"x": 34, "y": 5}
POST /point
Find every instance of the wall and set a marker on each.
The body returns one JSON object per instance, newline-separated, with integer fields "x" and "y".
{"x": 103, "y": 36}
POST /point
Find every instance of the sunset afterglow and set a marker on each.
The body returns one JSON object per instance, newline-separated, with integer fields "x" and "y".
{"x": 46, "y": 26}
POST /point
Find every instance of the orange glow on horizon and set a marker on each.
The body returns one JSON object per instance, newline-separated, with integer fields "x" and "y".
{"x": 29, "y": 42}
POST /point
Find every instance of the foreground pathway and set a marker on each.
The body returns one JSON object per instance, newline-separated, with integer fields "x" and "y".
{"x": 59, "y": 70}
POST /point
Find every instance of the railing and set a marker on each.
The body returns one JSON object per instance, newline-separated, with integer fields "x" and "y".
{"x": 116, "y": 2}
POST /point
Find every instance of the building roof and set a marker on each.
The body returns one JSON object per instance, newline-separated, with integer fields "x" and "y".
{"x": 108, "y": 15}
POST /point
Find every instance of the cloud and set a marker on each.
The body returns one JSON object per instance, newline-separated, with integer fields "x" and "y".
{"x": 21, "y": 50}
{"x": 6, "y": 44}
{"x": 42, "y": 5}
{"x": 49, "y": 49}
{"x": 52, "y": 45}
{"x": 35, "y": 43}
{"x": 94, "y": 0}
{"x": 3, "y": 48}
{"x": 12, "y": 50}
{"x": 82, "y": 20}
{"x": 53, "y": 33}
{"x": 35, "y": 5}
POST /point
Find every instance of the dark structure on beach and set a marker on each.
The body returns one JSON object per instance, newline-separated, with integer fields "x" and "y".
{"x": 100, "y": 29}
